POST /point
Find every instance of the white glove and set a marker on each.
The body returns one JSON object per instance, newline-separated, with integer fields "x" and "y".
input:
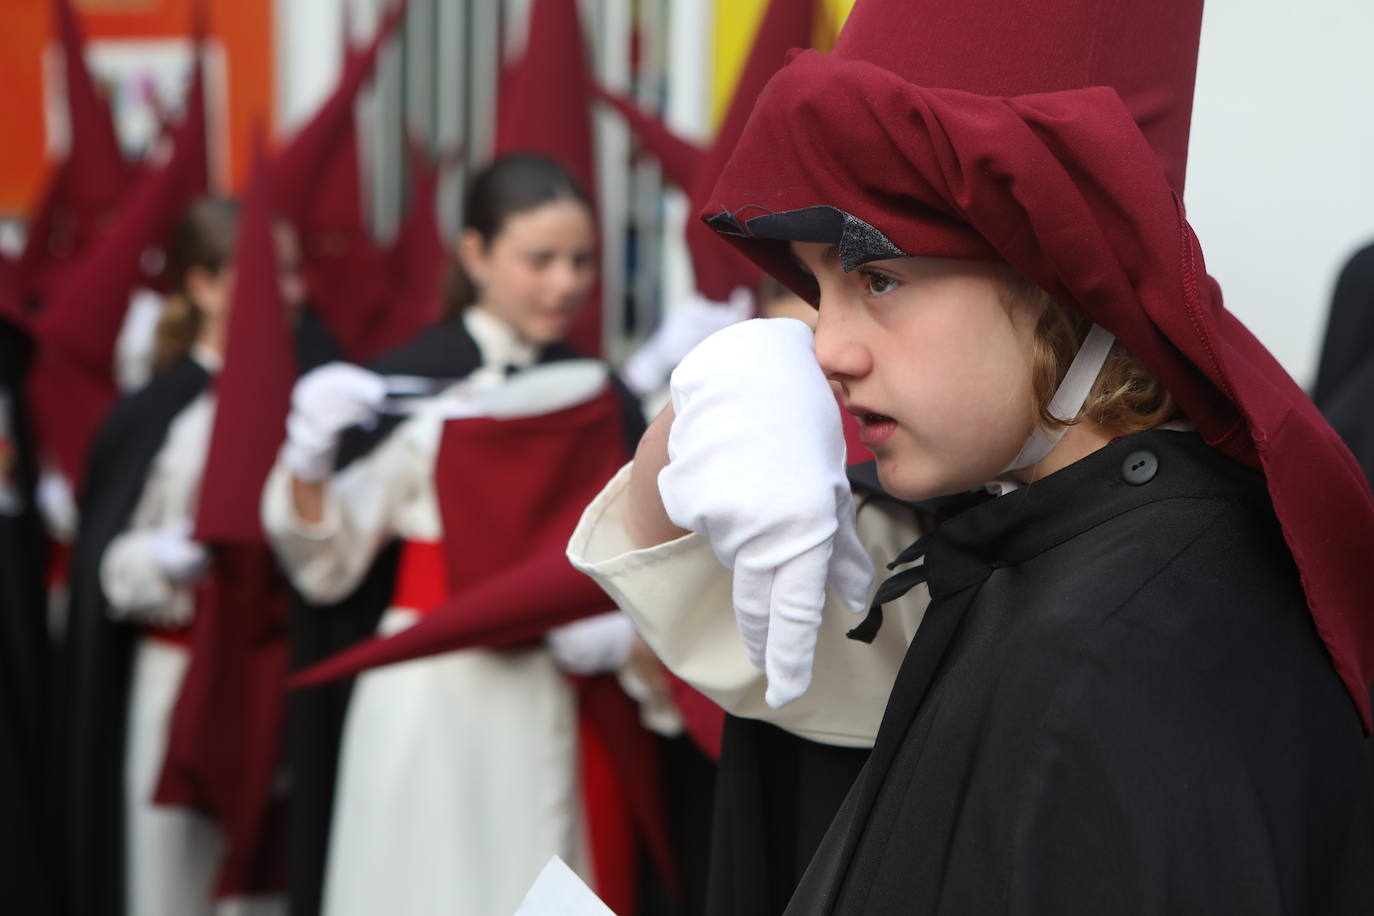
{"x": 325, "y": 402}
{"x": 593, "y": 645}
{"x": 683, "y": 328}
{"x": 57, "y": 505}
{"x": 182, "y": 560}
{"x": 757, "y": 465}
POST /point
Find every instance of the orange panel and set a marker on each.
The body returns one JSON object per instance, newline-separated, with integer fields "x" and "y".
{"x": 24, "y": 28}
{"x": 242, "y": 27}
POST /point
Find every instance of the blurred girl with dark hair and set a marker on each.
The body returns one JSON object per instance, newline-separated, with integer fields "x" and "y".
{"x": 458, "y": 773}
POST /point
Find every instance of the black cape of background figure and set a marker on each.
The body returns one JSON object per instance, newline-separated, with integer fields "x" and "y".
{"x": 1345, "y": 376}
{"x": 27, "y": 882}
{"x": 98, "y": 657}
{"x": 315, "y": 715}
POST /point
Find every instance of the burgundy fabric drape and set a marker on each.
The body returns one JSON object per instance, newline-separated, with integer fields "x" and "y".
{"x": 510, "y": 493}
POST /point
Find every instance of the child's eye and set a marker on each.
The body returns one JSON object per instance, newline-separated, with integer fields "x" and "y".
{"x": 878, "y": 284}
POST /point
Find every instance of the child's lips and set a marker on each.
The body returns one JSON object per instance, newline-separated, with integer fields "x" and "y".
{"x": 874, "y": 428}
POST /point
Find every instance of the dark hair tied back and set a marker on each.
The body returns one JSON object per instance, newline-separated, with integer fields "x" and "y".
{"x": 510, "y": 185}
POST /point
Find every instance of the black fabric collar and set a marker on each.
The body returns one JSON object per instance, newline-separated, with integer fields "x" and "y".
{"x": 1016, "y": 527}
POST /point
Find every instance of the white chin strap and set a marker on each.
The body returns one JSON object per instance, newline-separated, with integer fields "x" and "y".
{"x": 1068, "y": 400}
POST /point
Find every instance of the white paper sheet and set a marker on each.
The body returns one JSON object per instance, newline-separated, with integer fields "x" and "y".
{"x": 559, "y": 892}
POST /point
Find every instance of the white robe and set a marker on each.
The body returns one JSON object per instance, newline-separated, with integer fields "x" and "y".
{"x": 458, "y": 775}
{"x": 679, "y": 597}
{"x": 172, "y": 855}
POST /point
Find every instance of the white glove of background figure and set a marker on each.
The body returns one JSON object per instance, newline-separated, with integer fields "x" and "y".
{"x": 182, "y": 560}
{"x": 325, "y": 402}
{"x": 592, "y": 645}
{"x": 685, "y": 326}
{"x": 757, "y": 465}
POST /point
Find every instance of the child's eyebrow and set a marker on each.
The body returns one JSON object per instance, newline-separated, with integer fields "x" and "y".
{"x": 831, "y": 253}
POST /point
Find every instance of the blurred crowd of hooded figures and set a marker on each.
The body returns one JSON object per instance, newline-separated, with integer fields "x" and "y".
{"x": 286, "y": 616}
{"x": 241, "y": 437}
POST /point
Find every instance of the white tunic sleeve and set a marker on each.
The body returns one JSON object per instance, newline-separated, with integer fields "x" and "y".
{"x": 134, "y": 584}
{"x": 363, "y": 505}
{"x": 679, "y": 597}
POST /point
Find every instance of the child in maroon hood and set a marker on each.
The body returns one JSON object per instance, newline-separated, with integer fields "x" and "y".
{"x": 1141, "y": 684}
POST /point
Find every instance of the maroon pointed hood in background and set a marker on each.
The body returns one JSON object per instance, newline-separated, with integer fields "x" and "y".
{"x": 415, "y": 262}
{"x": 73, "y": 382}
{"x": 299, "y": 164}
{"x": 718, "y": 268}
{"x": 225, "y": 738}
{"x": 887, "y": 149}
{"x": 253, "y": 389}
{"x": 319, "y": 189}
{"x": 89, "y": 180}
{"x": 545, "y": 108}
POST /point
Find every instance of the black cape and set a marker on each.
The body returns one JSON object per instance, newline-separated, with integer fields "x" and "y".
{"x": 98, "y": 657}
{"x": 98, "y": 649}
{"x": 1345, "y": 375}
{"x": 1116, "y": 703}
{"x": 27, "y": 880}
{"x": 315, "y": 715}
{"x": 776, "y": 792}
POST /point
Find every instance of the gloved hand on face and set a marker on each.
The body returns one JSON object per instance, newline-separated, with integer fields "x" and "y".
{"x": 757, "y": 465}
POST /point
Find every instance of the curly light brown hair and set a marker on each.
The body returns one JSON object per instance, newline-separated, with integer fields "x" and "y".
{"x": 1125, "y": 399}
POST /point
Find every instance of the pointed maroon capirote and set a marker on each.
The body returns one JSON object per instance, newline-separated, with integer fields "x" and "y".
{"x": 73, "y": 384}
{"x": 319, "y": 183}
{"x": 1070, "y": 171}
{"x": 545, "y": 108}
{"x": 96, "y": 167}
{"x": 718, "y": 268}
{"x": 679, "y": 158}
{"x": 298, "y": 165}
{"x": 89, "y": 180}
{"x": 224, "y": 741}
{"x": 415, "y": 261}
{"x": 253, "y": 389}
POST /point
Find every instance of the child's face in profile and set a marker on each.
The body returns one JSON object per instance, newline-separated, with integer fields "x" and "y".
{"x": 933, "y": 363}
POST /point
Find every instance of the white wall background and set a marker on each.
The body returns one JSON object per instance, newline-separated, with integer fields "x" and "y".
{"x": 1281, "y": 168}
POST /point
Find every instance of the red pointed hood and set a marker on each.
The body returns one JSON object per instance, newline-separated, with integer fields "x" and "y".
{"x": 545, "y": 108}
{"x": 73, "y": 384}
{"x": 1052, "y": 138}
{"x": 299, "y": 164}
{"x": 718, "y": 269}
{"x": 96, "y": 167}
{"x": 319, "y": 181}
{"x": 415, "y": 261}
{"x": 253, "y": 389}
{"x": 90, "y": 179}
